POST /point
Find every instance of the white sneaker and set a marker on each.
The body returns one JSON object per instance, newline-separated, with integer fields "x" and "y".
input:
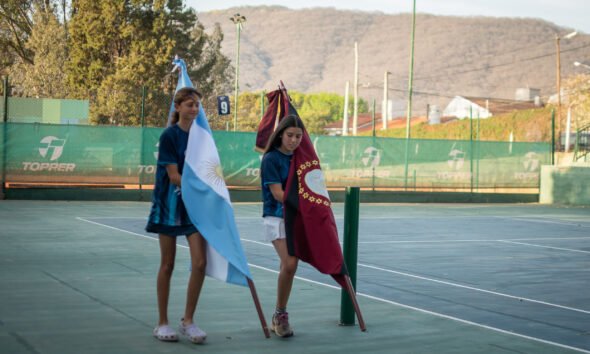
{"x": 280, "y": 325}
{"x": 165, "y": 333}
{"x": 194, "y": 333}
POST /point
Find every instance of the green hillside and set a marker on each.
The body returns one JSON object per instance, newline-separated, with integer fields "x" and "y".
{"x": 527, "y": 126}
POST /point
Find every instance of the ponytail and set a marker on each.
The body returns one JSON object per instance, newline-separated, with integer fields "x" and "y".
{"x": 175, "y": 118}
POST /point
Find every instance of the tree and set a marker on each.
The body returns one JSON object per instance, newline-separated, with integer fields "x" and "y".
{"x": 144, "y": 62}
{"x": 578, "y": 92}
{"x": 211, "y": 69}
{"x": 319, "y": 109}
{"x": 16, "y": 26}
{"x": 316, "y": 110}
{"x": 116, "y": 47}
{"x": 44, "y": 76}
{"x": 15, "y": 29}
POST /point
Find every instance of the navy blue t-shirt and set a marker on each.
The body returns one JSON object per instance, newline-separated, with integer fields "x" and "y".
{"x": 274, "y": 169}
{"x": 168, "y": 210}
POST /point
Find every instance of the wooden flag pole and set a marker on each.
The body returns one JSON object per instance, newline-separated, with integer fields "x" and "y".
{"x": 352, "y": 295}
{"x": 259, "y": 308}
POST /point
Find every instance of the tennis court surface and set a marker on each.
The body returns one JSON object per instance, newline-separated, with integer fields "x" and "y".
{"x": 79, "y": 277}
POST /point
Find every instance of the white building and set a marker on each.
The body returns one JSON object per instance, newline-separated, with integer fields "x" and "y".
{"x": 478, "y": 107}
{"x": 461, "y": 107}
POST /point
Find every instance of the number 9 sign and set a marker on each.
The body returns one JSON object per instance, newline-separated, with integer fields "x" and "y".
{"x": 223, "y": 105}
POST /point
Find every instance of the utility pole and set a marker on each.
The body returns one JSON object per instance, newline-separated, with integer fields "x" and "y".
{"x": 237, "y": 19}
{"x": 409, "y": 114}
{"x": 411, "y": 76}
{"x": 558, "y": 83}
{"x": 384, "y": 109}
{"x": 345, "y": 119}
{"x": 355, "y": 115}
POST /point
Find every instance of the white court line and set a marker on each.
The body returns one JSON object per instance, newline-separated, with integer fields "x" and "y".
{"x": 121, "y": 217}
{"x": 267, "y": 244}
{"x": 518, "y": 218}
{"x": 473, "y": 323}
{"x": 421, "y": 241}
{"x": 365, "y": 217}
{"x": 146, "y": 217}
{"x": 436, "y": 314}
{"x": 551, "y": 247}
{"x": 475, "y": 289}
{"x": 474, "y": 240}
{"x": 113, "y": 228}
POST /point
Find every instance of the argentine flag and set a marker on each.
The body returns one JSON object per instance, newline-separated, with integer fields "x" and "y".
{"x": 183, "y": 81}
{"x": 207, "y": 202}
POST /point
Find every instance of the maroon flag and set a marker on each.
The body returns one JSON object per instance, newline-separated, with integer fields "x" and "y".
{"x": 309, "y": 222}
{"x": 268, "y": 123}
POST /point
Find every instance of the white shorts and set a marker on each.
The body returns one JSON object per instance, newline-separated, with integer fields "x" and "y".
{"x": 274, "y": 228}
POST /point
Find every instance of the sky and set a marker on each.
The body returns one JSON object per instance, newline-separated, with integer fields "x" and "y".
{"x": 570, "y": 14}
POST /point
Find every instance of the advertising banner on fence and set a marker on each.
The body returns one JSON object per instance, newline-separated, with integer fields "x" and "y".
{"x": 39, "y": 153}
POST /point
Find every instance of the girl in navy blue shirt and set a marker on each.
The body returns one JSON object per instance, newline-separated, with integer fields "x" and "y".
{"x": 274, "y": 171}
{"x": 169, "y": 219}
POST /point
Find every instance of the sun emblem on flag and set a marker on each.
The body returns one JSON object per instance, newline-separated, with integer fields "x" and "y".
{"x": 214, "y": 173}
{"x": 314, "y": 181}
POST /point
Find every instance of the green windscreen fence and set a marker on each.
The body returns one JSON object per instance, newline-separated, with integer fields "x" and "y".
{"x": 76, "y": 154}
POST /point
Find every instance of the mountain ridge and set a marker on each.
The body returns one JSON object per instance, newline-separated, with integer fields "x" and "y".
{"x": 312, "y": 50}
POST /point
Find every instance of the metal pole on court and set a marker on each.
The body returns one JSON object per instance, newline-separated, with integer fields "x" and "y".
{"x": 350, "y": 250}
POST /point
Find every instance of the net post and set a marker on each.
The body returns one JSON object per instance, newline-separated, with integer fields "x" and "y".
{"x": 350, "y": 251}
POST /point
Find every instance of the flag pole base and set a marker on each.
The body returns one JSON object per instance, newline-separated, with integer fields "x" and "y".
{"x": 258, "y": 308}
{"x": 357, "y": 310}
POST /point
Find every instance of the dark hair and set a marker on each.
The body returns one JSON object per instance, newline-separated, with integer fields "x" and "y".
{"x": 185, "y": 93}
{"x": 292, "y": 120}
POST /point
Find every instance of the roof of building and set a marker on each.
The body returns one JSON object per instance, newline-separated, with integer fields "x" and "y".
{"x": 365, "y": 122}
{"x": 499, "y": 106}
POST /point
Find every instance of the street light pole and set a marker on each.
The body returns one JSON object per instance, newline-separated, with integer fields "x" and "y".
{"x": 345, "y": 118}
{"x": 385, "y": 108}
{"x": 409, "y": 113}
{"x": 355, "y": 90}
{"x": 558, "y": 83}
{"x": 237, "y": 19}
{"x": 411, "y": 77}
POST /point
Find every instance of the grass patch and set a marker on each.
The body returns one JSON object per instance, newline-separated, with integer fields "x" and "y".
{"x": 532, "y": 125}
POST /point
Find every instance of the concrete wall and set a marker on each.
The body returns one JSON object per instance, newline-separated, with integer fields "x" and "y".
{"x": 46, "y": 110}
{"x": 567, "y": 185}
